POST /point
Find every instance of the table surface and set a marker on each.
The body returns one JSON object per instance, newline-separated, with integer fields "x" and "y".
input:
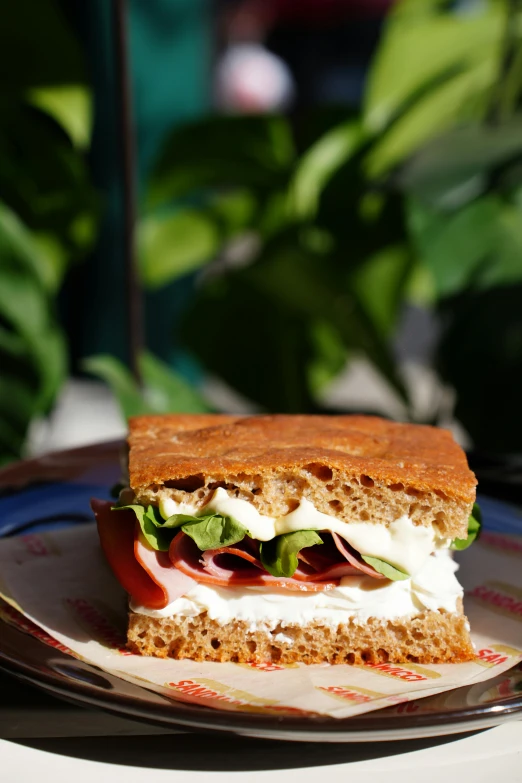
{"x": 67, "y": 742}
{"x": 495, "y": 754}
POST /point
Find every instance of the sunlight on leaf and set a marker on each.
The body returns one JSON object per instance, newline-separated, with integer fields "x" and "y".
{"x": 70, "y": 105}
{"x": 173, "y": 245}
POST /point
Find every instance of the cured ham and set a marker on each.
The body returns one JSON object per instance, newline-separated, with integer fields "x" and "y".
{"x": 354, "y": 558}
{"x": 116, "y": 531}
{"x": 205, "y": 567}
{"x": 147, "y": 575}
{"x": 156, "y": 579}
{"x": 240, "y": 565}
{"x": 172, "y": 582}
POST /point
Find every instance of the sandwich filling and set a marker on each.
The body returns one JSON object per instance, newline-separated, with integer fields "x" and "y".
{"x": 228, "y": 560}
{"x": 356, "y": 598}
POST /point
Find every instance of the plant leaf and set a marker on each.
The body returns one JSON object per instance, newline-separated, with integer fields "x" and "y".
{"x": 167, "y": 391}
{"x": 279, "y": 556}
{"x": 173, "y": 245}
{"x": 386, "y": 569}
{"x": 457, "y": 158}
{"x": 422, "y": 45}
{"x": 70, "y": 106}
{"x": 242, "y": 151}
{"x": 121, "y": 382}
{"x": 319, "y": 163}
{"x": 164, "y": 390}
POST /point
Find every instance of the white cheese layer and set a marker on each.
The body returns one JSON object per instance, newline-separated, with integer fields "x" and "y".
{"x": 358, "y": 598}
{"x": 403, "y": 544}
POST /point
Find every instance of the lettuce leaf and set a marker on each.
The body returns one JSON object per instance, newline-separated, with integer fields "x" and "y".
{"x": 211, "y": 531}
{"x": 214, "y": 531}
{"x": 474, "y": 528}
{"x": 386, "y": 569}
{"x": 279, "y": 555}
{"x": 152, "y": 526}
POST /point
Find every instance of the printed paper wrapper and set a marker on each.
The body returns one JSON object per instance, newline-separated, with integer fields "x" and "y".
{"x": 60, "y": 583}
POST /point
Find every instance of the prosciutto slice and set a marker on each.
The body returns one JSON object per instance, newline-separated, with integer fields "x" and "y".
{"x": 147, "y": 575}
{"x": 172, "y": 582}
{"x": 216, "y": 567}
{"x": 356, "y": 561}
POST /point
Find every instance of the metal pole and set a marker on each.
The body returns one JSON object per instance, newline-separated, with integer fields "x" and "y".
{"x": 135, "y": 335}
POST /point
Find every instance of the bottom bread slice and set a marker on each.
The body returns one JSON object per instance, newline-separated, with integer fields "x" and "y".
{"x": 429, "y": 637}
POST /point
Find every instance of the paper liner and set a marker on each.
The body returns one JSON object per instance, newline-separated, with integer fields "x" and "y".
{"x": 68, "y": 597}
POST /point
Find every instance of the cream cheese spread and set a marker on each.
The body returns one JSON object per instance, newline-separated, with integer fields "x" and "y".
{"x": 357, "y": 598}
{"x": 403, "y": 544}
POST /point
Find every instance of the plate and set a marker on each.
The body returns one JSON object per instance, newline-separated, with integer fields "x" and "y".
{"x": 473, "y": 707}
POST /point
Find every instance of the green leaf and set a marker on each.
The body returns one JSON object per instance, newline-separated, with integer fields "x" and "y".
{"x": 70, "y": 106}
{"x": 214, "y": 531}
{"x": 121, "y": 382}
{"x": 458, "y": 159}
{"x": 173, "y": 245}
{"x": 330, "y": 355}
{"x": 460, "y": 99}
{"x": 164, "y": 390}
{"x": 319, "y": 163}
{"x": 474, "y": 528}
{"x": 241, "y": 151}
{"x": 423, "y": 45}
{"x": 211, "y": 531}
{"x": 467, "y": 235}
{"x": 386, "y": 569}
{"x": 485, "y": 236}
{"x": 152, "y": 527}
{"x": 380, "y": 285}
{"x": 279, "y": 556}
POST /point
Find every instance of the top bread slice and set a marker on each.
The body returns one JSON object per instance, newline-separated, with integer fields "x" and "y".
{"x": 355, "y": 468}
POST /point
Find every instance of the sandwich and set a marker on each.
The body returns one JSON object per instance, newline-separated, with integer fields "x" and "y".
{"x": 283, "y": 539}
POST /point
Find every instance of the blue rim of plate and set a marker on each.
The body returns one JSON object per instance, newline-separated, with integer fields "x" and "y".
{"x": 466, "y": 709}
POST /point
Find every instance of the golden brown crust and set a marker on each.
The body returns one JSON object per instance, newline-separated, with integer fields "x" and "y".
{"x": 351, "y": 467}
{"x": 165, "y": 448}
{"x": 430, "y": 637}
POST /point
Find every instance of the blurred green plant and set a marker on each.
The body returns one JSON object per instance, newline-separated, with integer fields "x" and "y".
{"x": 309, "y": 243}
{"x": 48, "y": 208}
{"x": 161, "y": 390}
{"x": 306, "y": 237}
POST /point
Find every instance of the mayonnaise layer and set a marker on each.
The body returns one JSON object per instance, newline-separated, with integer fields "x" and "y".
{"x": 358, "y": 598}
{"x": 403, "y": 544}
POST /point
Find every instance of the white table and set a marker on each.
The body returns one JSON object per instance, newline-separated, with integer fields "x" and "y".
{"x": 494, "y": 755}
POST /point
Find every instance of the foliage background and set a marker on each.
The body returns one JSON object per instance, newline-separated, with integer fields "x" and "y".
{"x": 305, "y": 235}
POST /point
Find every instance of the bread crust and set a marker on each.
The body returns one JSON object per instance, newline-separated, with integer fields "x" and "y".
{"x": 355, "y": 468}
{"x": 429, "y": 637}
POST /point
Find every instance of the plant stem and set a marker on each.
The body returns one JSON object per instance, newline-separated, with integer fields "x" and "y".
{"x": 128, "y": 171}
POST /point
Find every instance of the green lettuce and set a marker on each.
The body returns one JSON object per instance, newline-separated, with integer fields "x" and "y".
{"x": 214, "y": 531}
{"x": 211, "y": 531}
{"x": 279, "y": 555}
{"x": 386, "y": 569}
{"x": 474, "y": 528}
